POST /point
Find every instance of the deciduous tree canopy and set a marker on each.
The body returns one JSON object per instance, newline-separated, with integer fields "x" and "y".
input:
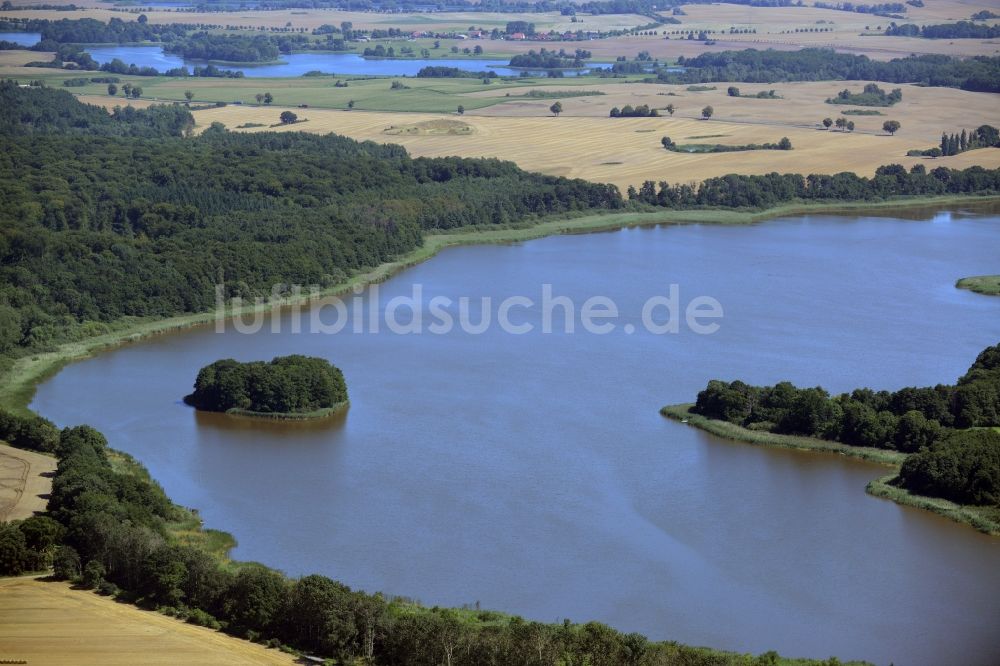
{"x": 287, "y": 385}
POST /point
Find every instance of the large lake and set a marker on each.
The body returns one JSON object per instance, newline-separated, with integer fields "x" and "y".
{"x": 297, "y": 64}
{"x": 532, "y": 473}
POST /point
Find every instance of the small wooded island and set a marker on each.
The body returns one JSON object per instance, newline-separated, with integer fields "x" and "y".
{"x": 288, "y": 387}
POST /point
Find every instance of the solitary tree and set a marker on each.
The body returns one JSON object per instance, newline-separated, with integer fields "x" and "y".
{"x": 136, "y": 92}
{"x": 667, "y": 142}
{"x": 350, "y": 104}
{"x": 827, "y": 122}
{"x": 268, "y": 98}
{"x": 891, "y": 126}
{"x": 287, "y": 117}
{"x": 556, "y": 108}
{"x": 259, "y": 97}
{"x": 188, "y": 95}
{"x": 733, "y": 91}
{"x": 707, "y": 112}
{"x": 112, "y": 89}
{"x": 461, "y": 110}
{"x": 127, "y": 89}
{"x": 841, "y": 123}
{"x": 670, "y": 108}
{"x": 850, "y": 125}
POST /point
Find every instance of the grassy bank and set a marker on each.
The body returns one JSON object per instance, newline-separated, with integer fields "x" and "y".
{"x": 18, "y": 382}
{"x": 290, "y": 416}
{"x": 763, "y": 438}
{"x": 983, "y": 518}
{"x": 981, "y": 284}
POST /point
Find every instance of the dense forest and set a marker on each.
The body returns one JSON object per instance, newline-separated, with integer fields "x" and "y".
{"x": 287, "y": 385}
{"x": 963, "y": 467}
{"x": 92, "y": 31}
{"x": 108, "y": 527}
{"x": 231, "y": 48}
{"x": 930, "y": 422}
{"x": 442, "y": 72}
{"x": 980, "y": 74}
{"x": 109, "y": 216}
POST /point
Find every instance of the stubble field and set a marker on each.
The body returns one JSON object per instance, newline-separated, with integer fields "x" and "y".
{"x": 50, "y": 624}
{"x": 584, "y": 143}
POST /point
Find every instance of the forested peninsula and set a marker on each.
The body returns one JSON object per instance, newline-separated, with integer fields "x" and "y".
{"x": 945, "y": 438}
{"x": 288, "y": 387}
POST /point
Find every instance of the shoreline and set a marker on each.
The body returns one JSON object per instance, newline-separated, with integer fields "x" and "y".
{"x": 18, "y": 382}
{"x": 987, "y": 285}
{"x": 315, "y": 415}
{"x": 976, "y": 517}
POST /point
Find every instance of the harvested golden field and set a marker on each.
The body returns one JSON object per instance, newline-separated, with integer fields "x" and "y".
{"x": 776, "y": 28}
{"x": 50, "y": 624}
{"x": 585, "y": 143}
{"x": 17, "y": 58}
{"x": 25, "y": 483}
{"x": 111, "y": 102}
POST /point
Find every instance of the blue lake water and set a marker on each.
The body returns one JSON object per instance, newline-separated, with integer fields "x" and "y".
{"x": 22, "y": 38}
{"x": 533, "y": 473}
{"x": 297, "y": 64}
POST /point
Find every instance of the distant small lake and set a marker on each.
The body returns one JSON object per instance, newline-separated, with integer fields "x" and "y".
{"x": 22, "y": 38}
{"x": 297, "y": 64}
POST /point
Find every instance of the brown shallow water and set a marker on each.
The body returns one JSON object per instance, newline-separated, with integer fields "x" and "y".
{"x": 532, "y": 473}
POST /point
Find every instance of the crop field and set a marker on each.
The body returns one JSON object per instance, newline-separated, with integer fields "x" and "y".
{"x": 25, "y": 483}
{"x": 776, "y": 27}
{"x": 427, "y": 95}
{"x": 584, "y": 143}
{"x": 52, "y": 624}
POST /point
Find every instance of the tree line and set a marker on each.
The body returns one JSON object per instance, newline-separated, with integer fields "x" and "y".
{"x": 231, "y": 48}
{"x": 959, "y": 30}
{"x": 985, "y": 136}
{"x": 668, "y": 144}
{"x": 293, "y": 384}
{"x": 981, "y": 73}
{"x": 765, "y": 191}
{"x": 931, "y": 422}
{"x": 108, "y": 528}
